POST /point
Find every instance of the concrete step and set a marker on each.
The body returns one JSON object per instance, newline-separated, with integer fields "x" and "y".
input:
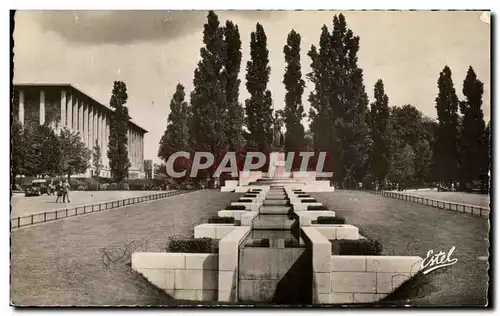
{"x": 274, "y": 209}
{"x": 276, "y": 202}
{"x": 272, "y": 222}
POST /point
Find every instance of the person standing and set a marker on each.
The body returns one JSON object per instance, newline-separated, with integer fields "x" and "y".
{"x": 66, "y": 191}
{"x": 59, "y": 192}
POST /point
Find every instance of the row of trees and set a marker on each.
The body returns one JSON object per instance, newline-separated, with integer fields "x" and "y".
{"x": 39, "y": 150}
{"x": 367, "y": 142}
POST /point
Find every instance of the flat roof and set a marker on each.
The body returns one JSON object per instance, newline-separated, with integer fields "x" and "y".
{"x": 72, "y": 87}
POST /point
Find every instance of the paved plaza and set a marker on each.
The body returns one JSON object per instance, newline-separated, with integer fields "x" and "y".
{"x": 24, "y": 206}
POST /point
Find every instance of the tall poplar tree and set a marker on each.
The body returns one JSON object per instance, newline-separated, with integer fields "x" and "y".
{"x": 446, "y": 150}
{"x": 294, "y": 85}
{"x": 235, "y": 115}
{"x": 339, "y": 103}
{"x": 258, "y": 107}
{"x": 379, "y": 123}
{"x": 472, "y": 138}
{"x": 118, "y": 133}
{"x": 176, "y": 135}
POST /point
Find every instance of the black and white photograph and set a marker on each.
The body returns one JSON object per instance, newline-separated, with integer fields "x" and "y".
{"x": 250, "y": 158}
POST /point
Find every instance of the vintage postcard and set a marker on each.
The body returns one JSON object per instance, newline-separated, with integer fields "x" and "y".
{"x": 250, "y": 158}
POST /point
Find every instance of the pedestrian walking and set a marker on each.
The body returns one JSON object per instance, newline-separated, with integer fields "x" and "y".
{"x": 59, "y": 191}
{"x": 66, "y": 191}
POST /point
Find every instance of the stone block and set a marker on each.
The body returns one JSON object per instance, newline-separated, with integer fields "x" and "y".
{"x": 321, "y": 282}
{"x": 226, "y": 296}
{"x": 248, "y": 217}
{"x": 205, "y": 261}
{"x": 368, "y": 297}
{"x": 405, "y": 264}
{"x": 322, "y": 249}
{"x": 361, "y": 282}
{"x": 322, "y": 298}
{"x": 228, "y": 280}
{"x": 226, "y": 213}
{"x": 162, "y": 278}
{"x": 196, "y": 279}
{"x": 348, "y": 264}
{"x": 228, "y": 248}
{"x": 329, "y": 232}
{"x": 158, "y": 260}
{"x": 204, "y": 230}
{"x": 182, "y": 294}
{"x": 223, "y": 231}
{"x": 341, "y": 298}
{"x": 388, "y": 282}
{"x": 347, "y": 232}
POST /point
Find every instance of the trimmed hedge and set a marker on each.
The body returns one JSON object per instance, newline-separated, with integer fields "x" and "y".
{"x": 317, "y": 208}
{"x": 245, "y": 200}
{"x": 220, "y": 220}
{"x": 359, "y": 247}
{"x": 303, "y": 195}
{"x": 330, "y": 220}
{"x": 291, "y": 243}
{"x": 235, "y": 207}
{"x": 308, "y": 201}
{"x": 193, "y": 245}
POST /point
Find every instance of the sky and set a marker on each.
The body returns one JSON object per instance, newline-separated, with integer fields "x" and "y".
{"x": 152, "y": 51}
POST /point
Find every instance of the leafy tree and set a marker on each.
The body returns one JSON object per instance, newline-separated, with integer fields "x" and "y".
{"x": 402, "y": 169}
{"x": 208, "y": 100}
{"x": 97, "y": 160}
{"x": 339, "y": 103}
{"x": 486, "y": 156}
{"x": 294, "y": 111}
{"x": 118, "y": 133}
{"x": 258, "y": 107}
{"x": 235, "y": 114}
{"x": 473, "y": 128}
{"x": 17, "y": 151}
{"x": 379, "y": 122}
{"x": 176, "y": 136}
{"x": 446, "y": 149}
{"x": 74, "y": 156}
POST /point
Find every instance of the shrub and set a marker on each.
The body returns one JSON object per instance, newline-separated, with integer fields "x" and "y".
{"x": 245, "y": 200}
{"x": 113, "y": 186}
{"x": 104, "y": 187}
{"x": 193, "y": 245}
{"x": 123, "y": 186}
{"x": 236, "y": 207}
{"x": 359, "y": 247}
{"x": 308, "y": 200}
{"x": 82, "y": 188}
{"x": 303, "y": 196}
{"x": 317, "y": 208}
{"x": 330, "y": 220}
{"x": 220, "y": 220}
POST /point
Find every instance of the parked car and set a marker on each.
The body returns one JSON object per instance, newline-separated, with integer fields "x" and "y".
{"x": 38, "y": 187}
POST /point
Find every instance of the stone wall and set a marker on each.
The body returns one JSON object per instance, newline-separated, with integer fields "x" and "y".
{"x": 186, "y": 276}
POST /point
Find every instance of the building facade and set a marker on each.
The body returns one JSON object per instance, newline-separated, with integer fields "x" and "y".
{"x": 63, "y": 105}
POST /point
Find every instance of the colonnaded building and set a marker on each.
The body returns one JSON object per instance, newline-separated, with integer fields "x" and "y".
{"x": 63, "y": 105}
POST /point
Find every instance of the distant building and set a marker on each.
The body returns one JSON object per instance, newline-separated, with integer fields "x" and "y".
{"x": 63, "y": 105}
{"x": 148, "y": 168}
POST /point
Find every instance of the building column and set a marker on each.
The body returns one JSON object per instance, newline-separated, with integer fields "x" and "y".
{"x": 80, "y": 120}
{"x": 63, "y": 109}
{"x": 94, "y": 118}
{"x": 69, "y": 99}
{"x": 76, "y": 128}
{"x": 42, "y": 107}
{"x": 91, "y": 125}
{"x": 21, "y": 106}
{"x": 85, "y": 124}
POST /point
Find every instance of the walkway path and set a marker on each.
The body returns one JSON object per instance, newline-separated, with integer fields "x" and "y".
{"x": 23, "y": 206}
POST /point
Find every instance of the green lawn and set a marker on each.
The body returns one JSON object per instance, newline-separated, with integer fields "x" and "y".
{"x": 409, "y": 229}
{"x": 61, "y": 263}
